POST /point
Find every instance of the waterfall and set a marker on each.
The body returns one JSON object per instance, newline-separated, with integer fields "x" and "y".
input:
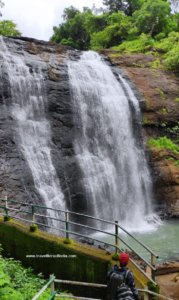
{"x": 33, "y": 129}
{"x": 116, "y": 178}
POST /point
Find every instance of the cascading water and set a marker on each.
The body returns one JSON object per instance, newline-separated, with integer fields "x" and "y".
{"x": 115, "y": 174}
{"x": 33, "y": 129}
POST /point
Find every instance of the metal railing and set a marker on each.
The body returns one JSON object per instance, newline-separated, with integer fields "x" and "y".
{"x": 66, "y": 224}
{"x": 49, "y": 283}
{"x": 145, "y": 293}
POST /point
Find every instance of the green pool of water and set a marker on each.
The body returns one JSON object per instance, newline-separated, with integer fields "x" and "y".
{"x": 162, "y": 239}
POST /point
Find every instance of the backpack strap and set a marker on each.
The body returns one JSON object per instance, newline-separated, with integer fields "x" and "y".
{"x": 126, "y": 275}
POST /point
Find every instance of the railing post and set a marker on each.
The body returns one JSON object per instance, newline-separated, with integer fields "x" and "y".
{"x": 66, "y": 224}
{"x": 153, "y": 263}
{"x": 33, "y": 214}
{"x": 116, "y": 237}
{"x": 146, "y": 296}
{"x": 52, "y": 287}
{"x": 6, "y": 207}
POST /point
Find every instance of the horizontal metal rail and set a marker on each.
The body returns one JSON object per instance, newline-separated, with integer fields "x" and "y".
{"x": 51, "y": 280}
{"x": 99, "y": 230}
{"x": 98, "y": 285}
{"x": 154, "y": 294}
{"x": 99, "y": 241}
{"x": 63, "y": 230}
{"x": 74, "y": 297}
{"x": 86, "y": 216}
{"x": 67, "y": 222}
{"x": 93, "y": 238}
{"x": 19, "y": 211}
{"x": 144, "y": 291}
{"x": 19, "y": 218}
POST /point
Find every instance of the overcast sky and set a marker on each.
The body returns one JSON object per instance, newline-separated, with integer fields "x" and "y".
{"x": 36, "y": 18}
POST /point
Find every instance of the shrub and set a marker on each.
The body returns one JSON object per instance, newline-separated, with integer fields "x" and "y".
{"x": 115, "y": 256}
{"x": 6, "y": 218}
{"x": 139, "y": 45}
{"x": 68, "y": 241}
{"x": 114, "y": 33}
{"x": 18, "y": 283}
{"x": 153, "y": 287}
{"x": 172, "y": 59}
{"x": 33, "y": 227}
{"x": 163, "y": 143}
{"x": 168, "y": 43}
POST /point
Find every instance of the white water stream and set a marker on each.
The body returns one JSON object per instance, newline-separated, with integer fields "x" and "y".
{"x": 33, "y": 129}
{"x": 115, "y": 172}
{"x": 116, "y": 178}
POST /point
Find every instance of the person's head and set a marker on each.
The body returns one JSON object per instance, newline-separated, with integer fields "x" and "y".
{"x": 123, "y": 259}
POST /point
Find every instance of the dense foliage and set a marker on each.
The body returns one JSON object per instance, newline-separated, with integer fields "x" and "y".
{"x": 164, "y": 143}
{"x": 18, "y": 283}
{"x": 125, "y": 25}
{"x": 8, "y": 27}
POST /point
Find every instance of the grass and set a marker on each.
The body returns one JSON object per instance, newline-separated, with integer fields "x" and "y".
{"x": 139, "y": 45}
{"x": 19, "y": 283}
{"x": 165, "y": 50}
{"x": 175, "y": 161}
{"x": 163, "y": 143}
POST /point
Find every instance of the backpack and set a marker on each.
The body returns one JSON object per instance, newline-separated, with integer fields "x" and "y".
{"x": 117, "y": 288}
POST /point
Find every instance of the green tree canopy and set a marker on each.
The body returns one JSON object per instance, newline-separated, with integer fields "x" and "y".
{"x": 127, "y": 20}
{"x": 70, "y": 13}
{"x": 152, "y": 17}
{"x": 114, "y": 33}
{"x": 8, "y": 28}
{"x": 96, "y": 23}
{"x": 114, "y": 5}
{"x": 132, "y": 6}
{"x": 128, "y": 6}
{"x": 73, "y": 31}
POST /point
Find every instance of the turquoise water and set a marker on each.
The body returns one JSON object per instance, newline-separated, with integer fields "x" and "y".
{"x": 162, "y": 239}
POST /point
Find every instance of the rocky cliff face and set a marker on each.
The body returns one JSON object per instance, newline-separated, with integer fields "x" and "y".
{"x": 16, "y": 180}
{"x": 160, "y": 91}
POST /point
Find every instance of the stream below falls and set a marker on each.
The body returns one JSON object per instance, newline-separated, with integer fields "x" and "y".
{"x": 163, "y": 239}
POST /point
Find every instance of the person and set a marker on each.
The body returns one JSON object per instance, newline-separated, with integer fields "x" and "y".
{"x": 127, "y": 289}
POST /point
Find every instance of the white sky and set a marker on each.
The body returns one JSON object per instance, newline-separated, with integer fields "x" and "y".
{"x": 36, "y": 18}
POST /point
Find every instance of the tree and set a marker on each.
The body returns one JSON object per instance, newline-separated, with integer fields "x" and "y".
{"x": 152, "y": 17}
{"x": 128, "y": 6}
{"x": 114, "y": 33}
{"x": 114, "y": 5}
{"x": 96, "y": 23}
{"x": 73, "y": 31}
{"x": 8, "y": 28}
{"x": 70, "y": 13}
{"x": 132, "y": 6}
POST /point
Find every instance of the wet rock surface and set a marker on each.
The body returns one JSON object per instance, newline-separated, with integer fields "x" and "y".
{"x": 159, "y": 90}
{"x": 168, "y": 267}
{"x": 16, "y": 180}
{"x": 167, "y": 276}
